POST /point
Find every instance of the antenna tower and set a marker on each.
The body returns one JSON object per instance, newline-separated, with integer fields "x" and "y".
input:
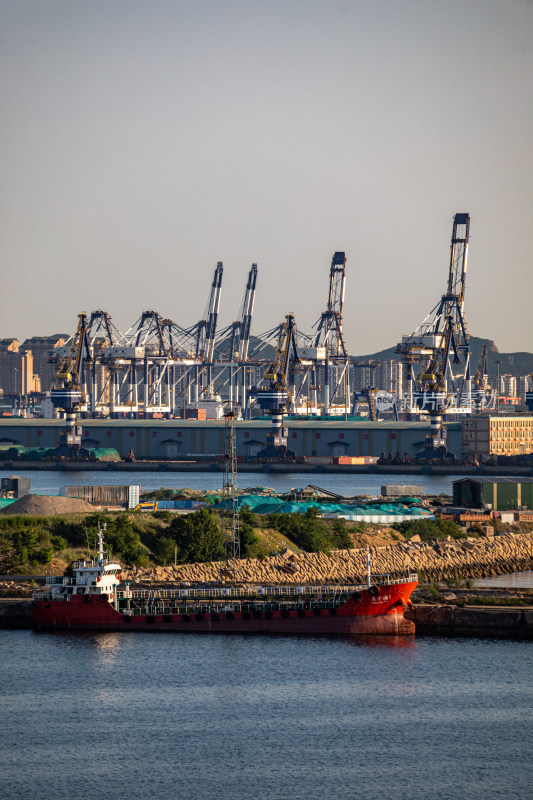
{"x": 230, "y": 514}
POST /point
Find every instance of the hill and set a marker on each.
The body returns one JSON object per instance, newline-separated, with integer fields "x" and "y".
{"x": 520, "y": 363}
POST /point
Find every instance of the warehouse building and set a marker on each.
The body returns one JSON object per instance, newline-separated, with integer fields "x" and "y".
{"x": 494, "y": 493}
{"x": 177, "y": 439}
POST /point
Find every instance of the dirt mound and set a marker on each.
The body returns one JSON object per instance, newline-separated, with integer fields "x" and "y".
{"x": 38, "y": 505}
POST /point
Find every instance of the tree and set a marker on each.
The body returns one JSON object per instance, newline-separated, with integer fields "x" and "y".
{"x": 163, "y": 548}
{"x": 340, "y": 535}
{"x": 198, "y": 536}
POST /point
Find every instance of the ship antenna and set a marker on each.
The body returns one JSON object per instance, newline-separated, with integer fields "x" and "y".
{"x": 368, "y": 567}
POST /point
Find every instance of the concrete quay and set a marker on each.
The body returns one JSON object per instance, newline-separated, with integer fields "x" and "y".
{"x": 491, "y": 622}
{"x": 250, "y": 466}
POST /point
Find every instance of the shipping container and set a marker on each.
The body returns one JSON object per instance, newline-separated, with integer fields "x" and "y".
{"x": 403, "y": 489}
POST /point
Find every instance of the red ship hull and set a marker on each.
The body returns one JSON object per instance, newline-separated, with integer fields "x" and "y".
{"x": 375, "y": 612}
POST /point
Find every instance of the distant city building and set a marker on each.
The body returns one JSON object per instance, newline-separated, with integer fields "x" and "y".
{"x": 364, "y": 375}
{"x": 40, "y": 347}
{"x": 525, "y": 385}
{"x": 508, "y": 386}
{"x": 16, "y": 371}
{"x": 384, "y": 375}
{"x": 389, "y": 377}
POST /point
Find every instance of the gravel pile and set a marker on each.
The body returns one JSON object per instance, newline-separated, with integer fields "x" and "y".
{"x": 38, "y": 505}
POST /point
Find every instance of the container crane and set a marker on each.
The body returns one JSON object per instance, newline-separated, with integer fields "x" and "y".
{"x": 246, "y": 314}
{"x": 240, "y": 338}
{"x": 328, "y": 347}
{"x": 440, "y": 340}
{"x": 428, "y": 341}
{"x": 273, "y": 394}
{"x": 206, "y": 328}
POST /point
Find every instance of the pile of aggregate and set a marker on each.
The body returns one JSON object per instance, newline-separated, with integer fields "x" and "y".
{"x": 38, "y": 505}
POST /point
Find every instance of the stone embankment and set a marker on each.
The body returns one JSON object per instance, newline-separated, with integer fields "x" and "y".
{"x": 435, "y": 561}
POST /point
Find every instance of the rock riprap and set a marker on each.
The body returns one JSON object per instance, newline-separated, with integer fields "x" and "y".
{"x": 435, "y": 560}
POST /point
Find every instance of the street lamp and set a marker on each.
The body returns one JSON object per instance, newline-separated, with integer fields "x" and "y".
{"x": 498, "y": 388}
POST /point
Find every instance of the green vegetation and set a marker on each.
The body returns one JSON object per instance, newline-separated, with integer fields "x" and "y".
{"x": 498, "y": 601}
{"x": 434, "y": 592}
{"x": 431, "y": 529}
{"x": 197, "y": 536}
{"x": 310, "y": 533}
{"x": 27, "y": 544}
{"x": 248, "y": 538}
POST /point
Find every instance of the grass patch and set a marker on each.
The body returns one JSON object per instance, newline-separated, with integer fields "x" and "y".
{"x": 498, "y": 601}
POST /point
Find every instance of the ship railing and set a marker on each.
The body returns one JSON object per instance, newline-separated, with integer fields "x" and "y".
{"x": 59, "y": 580}
{"x": 42, "y": 596}
{"x": 222, "y": 608}
{"x": 240, "y": 593}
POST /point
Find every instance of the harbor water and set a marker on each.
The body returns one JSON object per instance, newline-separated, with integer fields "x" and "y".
{"x": 346, "y": 484}
{"x": 271, "y": 718}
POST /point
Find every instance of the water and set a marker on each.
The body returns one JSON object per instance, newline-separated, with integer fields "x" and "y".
{"x": 49, "y": 481}
{"x": 516, "y": 580}
{"x": 184, "y": 716}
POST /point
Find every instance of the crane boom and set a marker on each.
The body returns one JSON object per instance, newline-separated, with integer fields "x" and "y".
{"x": 247, "y": 313}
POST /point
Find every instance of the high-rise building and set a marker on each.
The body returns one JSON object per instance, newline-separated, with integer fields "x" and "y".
{"x": 40, "y": 347}
{"x": 16, "y": 372}
{"x": 364, "y": 375}
{"x": 508, "y": 386}
{"x": 525, "y": 384}
{"x": 389, "y": 377}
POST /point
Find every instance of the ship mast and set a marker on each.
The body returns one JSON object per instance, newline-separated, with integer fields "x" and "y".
{"x": 101, "y": 529}
{"x": 230, "y": 513}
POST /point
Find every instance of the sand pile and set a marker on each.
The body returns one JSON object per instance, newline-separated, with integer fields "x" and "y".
{"x": 38, "y": 505}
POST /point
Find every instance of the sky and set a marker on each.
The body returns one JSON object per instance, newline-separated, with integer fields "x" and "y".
{"x": 142, "y": 142}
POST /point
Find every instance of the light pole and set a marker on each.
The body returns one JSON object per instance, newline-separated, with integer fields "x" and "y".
{"x": 498, "y": 388}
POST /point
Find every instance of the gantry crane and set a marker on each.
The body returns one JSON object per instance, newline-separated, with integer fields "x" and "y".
{"x": 440, "y": 340}
{"x": 274, "y": 395}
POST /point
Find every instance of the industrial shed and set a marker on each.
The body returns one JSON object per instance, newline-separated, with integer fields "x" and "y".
{"x": 496, "y": 493}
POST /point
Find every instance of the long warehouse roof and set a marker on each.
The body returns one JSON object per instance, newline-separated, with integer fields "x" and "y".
{"x": 341, "y": 424}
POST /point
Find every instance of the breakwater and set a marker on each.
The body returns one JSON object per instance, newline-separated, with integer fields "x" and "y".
{"x": 435, "y": 561}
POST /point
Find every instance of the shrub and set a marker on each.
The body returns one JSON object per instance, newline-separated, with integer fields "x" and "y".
{"x": 58, "y": 543}
{"x": 434, "y": 592}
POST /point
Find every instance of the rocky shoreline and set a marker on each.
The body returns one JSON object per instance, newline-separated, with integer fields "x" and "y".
{"x": 436, "y": 560}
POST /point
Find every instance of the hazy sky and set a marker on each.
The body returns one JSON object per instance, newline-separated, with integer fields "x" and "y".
{"x": 143, "y": 141}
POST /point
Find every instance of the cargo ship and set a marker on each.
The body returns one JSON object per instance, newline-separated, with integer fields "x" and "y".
{"x": 93, "y": 599}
